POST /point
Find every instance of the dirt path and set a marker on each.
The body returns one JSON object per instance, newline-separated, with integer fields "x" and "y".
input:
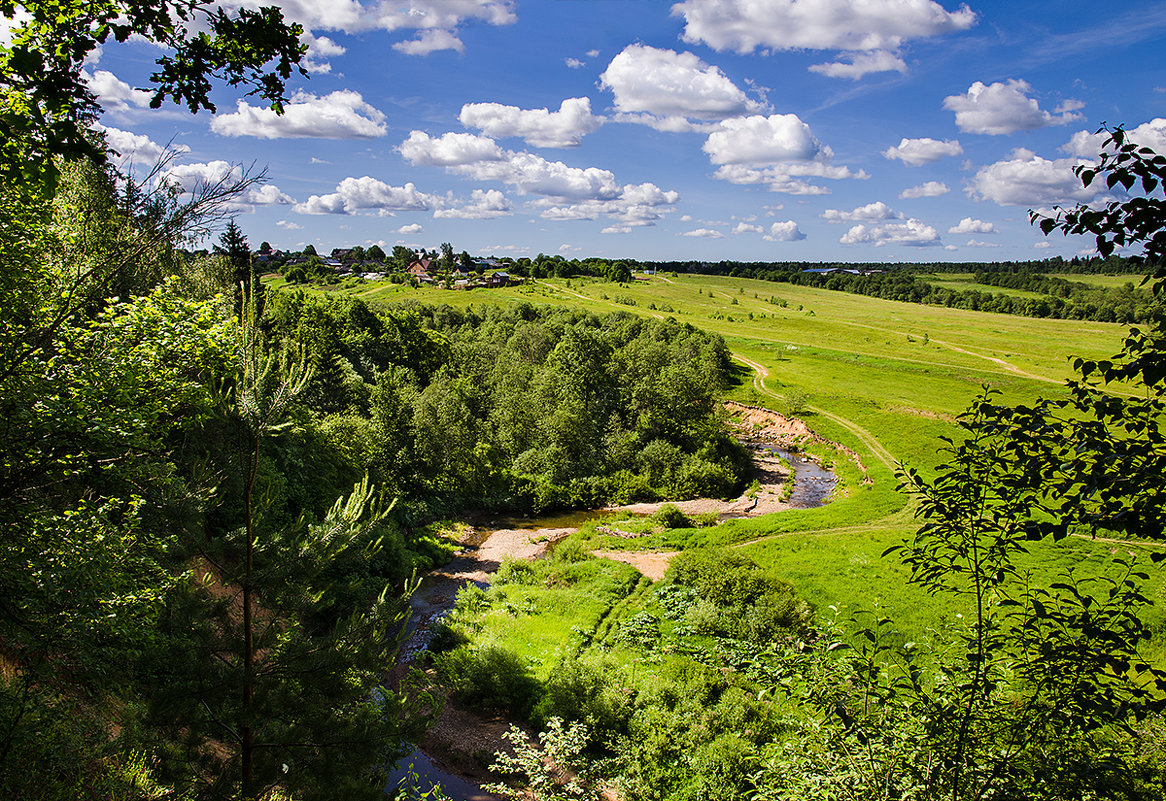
{"x": 653, "y": 564}
{"x": 867, "y": 438}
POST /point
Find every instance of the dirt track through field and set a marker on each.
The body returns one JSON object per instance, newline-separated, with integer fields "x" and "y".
{"x": 867, "y": 438}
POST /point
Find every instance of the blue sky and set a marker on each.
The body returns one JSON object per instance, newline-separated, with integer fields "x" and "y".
{"x": 880, "y": 130}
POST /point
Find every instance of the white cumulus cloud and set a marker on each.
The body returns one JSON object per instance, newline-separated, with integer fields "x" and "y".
{"x": 871, "y": 212}
{"x": 971, "y": 226}
{"x": 763, "y": 140}
{"x": 917, "y": 152}
{"x": 1002, "y": 108}
{"x": 320, "y": 49}
{"x": 411, "y": 228}
{"x": 747, "y": 25}
{"x": 430, "y": 41}
{"x": 1150, "y": 134}
{"x": 187, "y": 177}
{"x": 566, "y": 192}
{"x": 368, "y": 194}
{"x": 777, "y": 179}
{"x": 435, "y": 23}
{"x": 856, "y": 65}
{"x": 928, "y": 189}
{"x": 135, "y": 148}
{"x": 539, "y": 127}
{"x": 672, "y": 87}
{"x": 482, "y": 205}
{"x": 268, "y": 195}
{"x": 704, "y": 233}
{"x": 190, "y": 178}
{"x": 536, "y": 175}
{"x": 343, "y": 114}
{"x": 778, "y": 150}
{"x": 113, "y": 93}
{"x": 747, "y": 228}
{"x": 784, "y": 232}
{"x": 1026, "y": 179}
{"x": 913, "y": 233}
{"x": 449, "y": 149}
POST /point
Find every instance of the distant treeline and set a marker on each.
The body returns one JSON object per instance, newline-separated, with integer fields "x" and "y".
{"x": 1060, "y": 298}
{"x": 1114, "y": 265}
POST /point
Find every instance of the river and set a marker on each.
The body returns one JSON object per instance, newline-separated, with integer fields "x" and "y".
{"x": 511, "y": 536}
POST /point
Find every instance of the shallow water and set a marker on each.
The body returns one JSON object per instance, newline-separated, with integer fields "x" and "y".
{"x": 428, "y": 774}
{"x": 573, "y": 519}
{"x": 813, "y": 483}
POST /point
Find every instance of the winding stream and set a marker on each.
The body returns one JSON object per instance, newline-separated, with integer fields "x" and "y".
{"x": 484, "y": 549}
{"x": 813, "y": 483}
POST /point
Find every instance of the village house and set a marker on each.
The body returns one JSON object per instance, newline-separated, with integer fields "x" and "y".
{"x": 420, "y": 268}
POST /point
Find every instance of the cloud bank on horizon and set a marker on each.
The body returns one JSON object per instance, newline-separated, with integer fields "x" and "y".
{"x": 742, "y": 129}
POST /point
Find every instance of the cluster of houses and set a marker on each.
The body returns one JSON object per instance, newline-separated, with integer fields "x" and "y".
{"x": 424, "y": 270}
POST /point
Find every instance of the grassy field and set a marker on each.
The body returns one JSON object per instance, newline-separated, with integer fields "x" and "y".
{"x": 964, "y": 281}
{"x": 1101, "y": 280}
{"x": 883, "y": 378}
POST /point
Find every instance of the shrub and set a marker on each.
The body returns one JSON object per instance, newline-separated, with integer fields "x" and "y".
{"x": 490, "y": 678}
{"x": 707, "y": 519}
{"x": 641, "y": 630}
{"x": 670, "y": 516}
{"x": 444, "y": 637}
{"x": 591, "y": 690}
{"x": 516, "y": 571}
{"x": 761, "y": 606}
{"x": 471, "y": 599}
{"x": 629, "y": 487}
{"x": 704, "y": 617}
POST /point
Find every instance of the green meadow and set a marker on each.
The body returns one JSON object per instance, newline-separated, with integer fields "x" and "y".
{"x": 882, "y": 378}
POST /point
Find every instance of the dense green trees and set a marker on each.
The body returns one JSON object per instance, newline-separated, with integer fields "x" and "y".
{"x": 519, "y": 407}
{"x": 161, "y": 567}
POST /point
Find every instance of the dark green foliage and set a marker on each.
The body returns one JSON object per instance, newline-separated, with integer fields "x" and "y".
{"x": 640, "y": 631}
{"x": 518, "y": 408}
{"x": 763, "y": 606}
{"x": 591, "y": 689}
{"x": 490, "y": 678}
{"x": 1138, "y": 221}
{"x": 48, "y": 106}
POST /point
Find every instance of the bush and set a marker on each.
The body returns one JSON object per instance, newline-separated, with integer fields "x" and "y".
{"x": 760, "y": 607}
{"x": 629, "y": 487}
{"x": 591, "y": 690}
{"x": 471, "y": 599}
{"x": 516, "y": 571}
{"x": 641, "y": 630}
{"x": 491, "y": 678}
{"x": 444, "y": 637}
{"x": 704, "y": 617}
{"x": 670, "y": 516}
